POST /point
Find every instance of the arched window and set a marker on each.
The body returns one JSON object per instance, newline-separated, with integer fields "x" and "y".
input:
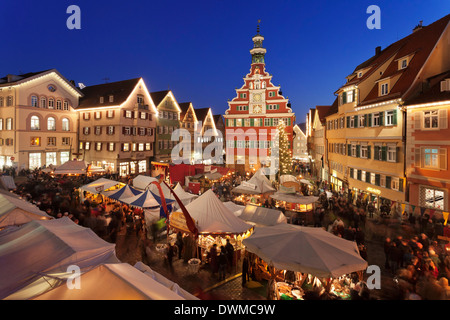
{"x": 34, "y": 125}
{"x": 65, "y": 124}
{"x": 58, "y": 104}
{"x": 34, "y": 101}
{"x": 66, "y": 105}
{"x": 51, "y": 124}
{"x": 43, "y": 102}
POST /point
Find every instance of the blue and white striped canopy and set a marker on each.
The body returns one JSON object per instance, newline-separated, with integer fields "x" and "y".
{"x": 143, "y": 200}
{"x": 125, "y": 192}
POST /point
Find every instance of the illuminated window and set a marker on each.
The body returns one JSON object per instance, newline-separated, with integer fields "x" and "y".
{"x": 35, "y": 141}
{"x": 51, "y": 124}
{"x": 65, "y": 124}
{"x": 431, "y": 119}
{"x": 34, "y": 101}
{"x": 35, "y": 124}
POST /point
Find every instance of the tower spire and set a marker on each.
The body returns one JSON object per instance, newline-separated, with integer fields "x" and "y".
{"x": 258, "y": 51}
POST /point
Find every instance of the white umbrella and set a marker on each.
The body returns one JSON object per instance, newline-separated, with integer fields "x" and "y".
{"x": 305, "y": 249}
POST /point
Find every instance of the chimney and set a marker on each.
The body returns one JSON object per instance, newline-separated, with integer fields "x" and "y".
{"x": 377, "y": 50}
{"x": 419, "y": 26}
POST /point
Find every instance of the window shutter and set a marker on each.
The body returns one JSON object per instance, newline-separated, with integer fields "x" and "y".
{"x": 252, "y": 122}
{"x": 348, "y": 122}
{"x": 124, "y": 114}
{"x": 397, "y": 154}
{"x": 383, "y": 153}
{"x": 400, "y": 185}
{"x": 368, "y": 177}
{"x": 344, "y": 97}
{"x": 351, "y": 172}
{"x": 123, "y": 130}
{"x": 443, "y": 158}
{"x": 417, "y": 120}
{"x": 388, "y": 182}
{"x": 394, "y": 117}
{"x": 381, "y": 118}
{"x": 369, "y": 120}
{"x": 377, "y": 179}
{"x": 417, "y": 157}
{"x": 349, "y": 149}
{"x": 234, "y": 122}
{"x": 358, "y": 150}
{"x": 356, "y": 121}
{"x": 359, "y": 174}
{"x": 368, "y": 152}
{"x": 443, "y": 123}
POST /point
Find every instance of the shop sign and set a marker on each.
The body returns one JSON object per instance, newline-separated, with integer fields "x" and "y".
{"x": 373, "y": 190}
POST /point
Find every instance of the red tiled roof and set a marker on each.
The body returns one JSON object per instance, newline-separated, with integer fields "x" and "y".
{"x": 420, "y": 43}
{"x": 431, "y": 91}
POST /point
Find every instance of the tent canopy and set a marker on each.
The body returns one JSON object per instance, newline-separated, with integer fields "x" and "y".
{"x": 184, "y": 196}
{"x": 294, "y": 198}
{"x": 213, "y": 217}
{"x": 287, "y": 178}
{"x": 124, "y": 192}
{"x": 142, "y": 200}
{"x": 42, "y": 248}
{"x": 305, "y": 249}
{"x": 117, "y": 281}
{"x": 262, "y": 216}
{"x": 100, "y": 185}
{"x": 15, "y": 212}
{"x": 258, "y": 184}
{"x": 235, "y": 208}
{"x": 164, "y": 281}
{"x": 143, "y": 182}
{"x": 72, "y": 167}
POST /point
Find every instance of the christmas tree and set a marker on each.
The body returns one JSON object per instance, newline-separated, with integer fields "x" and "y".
{"x": 284, "y": 152}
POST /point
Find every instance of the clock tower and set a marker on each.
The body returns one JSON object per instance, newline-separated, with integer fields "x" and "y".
{"x": 256, "y": 110}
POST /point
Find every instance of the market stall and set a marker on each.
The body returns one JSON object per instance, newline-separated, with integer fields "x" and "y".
{"x": 297, "y": 207}
{"x": 215, "y": 224}
{"x": 291, "y": 182}
{"x": 296, "y": 259}
{"x": 94, "y": 191}
{"x": 261, "y": 216}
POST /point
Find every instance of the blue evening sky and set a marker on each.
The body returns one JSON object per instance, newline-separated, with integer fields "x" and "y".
{"x": 200, "y": 49}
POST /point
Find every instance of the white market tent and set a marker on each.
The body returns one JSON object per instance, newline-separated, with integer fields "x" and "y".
{"x": 36, "y": 256}
{"x": 143, "y": 182}
{"x": 8, "y": 182}
{"x": 213, "y": 217}
{"x": 305, "y": 249}
{"x": 294, "y": 198}
{"x": 185, "y": 197}
{"x": 116, "y": 281}
{"x": 164, "y": 281}
{"x": 262, "y": 216}
{"x": 15, "y": 212}
{"x": 235, "y": 208}
{"x": 100, "y": 185}
{"x": 72, "y": 167}
{"x": 258, "y": 184}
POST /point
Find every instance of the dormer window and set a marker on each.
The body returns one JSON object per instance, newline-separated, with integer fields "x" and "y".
{"x": 102, "y": 100}
{"x": 384, "y": 89}
{"x": 360, "y": 74}
{"x": 111, "y": 98}
{"x": 403, "y": 63}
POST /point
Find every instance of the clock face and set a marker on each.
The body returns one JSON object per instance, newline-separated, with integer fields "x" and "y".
{"x": 257, "y": 97}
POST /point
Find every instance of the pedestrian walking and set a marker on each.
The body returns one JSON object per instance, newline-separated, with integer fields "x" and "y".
{"x": 223, "y": 262}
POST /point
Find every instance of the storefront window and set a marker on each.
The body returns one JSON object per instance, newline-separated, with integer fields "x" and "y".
{"x": 142, "y": 166}
{"x": 34, "y": 160}
{"x": 50, "y": 158}
{"x": 64, "y": 156}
